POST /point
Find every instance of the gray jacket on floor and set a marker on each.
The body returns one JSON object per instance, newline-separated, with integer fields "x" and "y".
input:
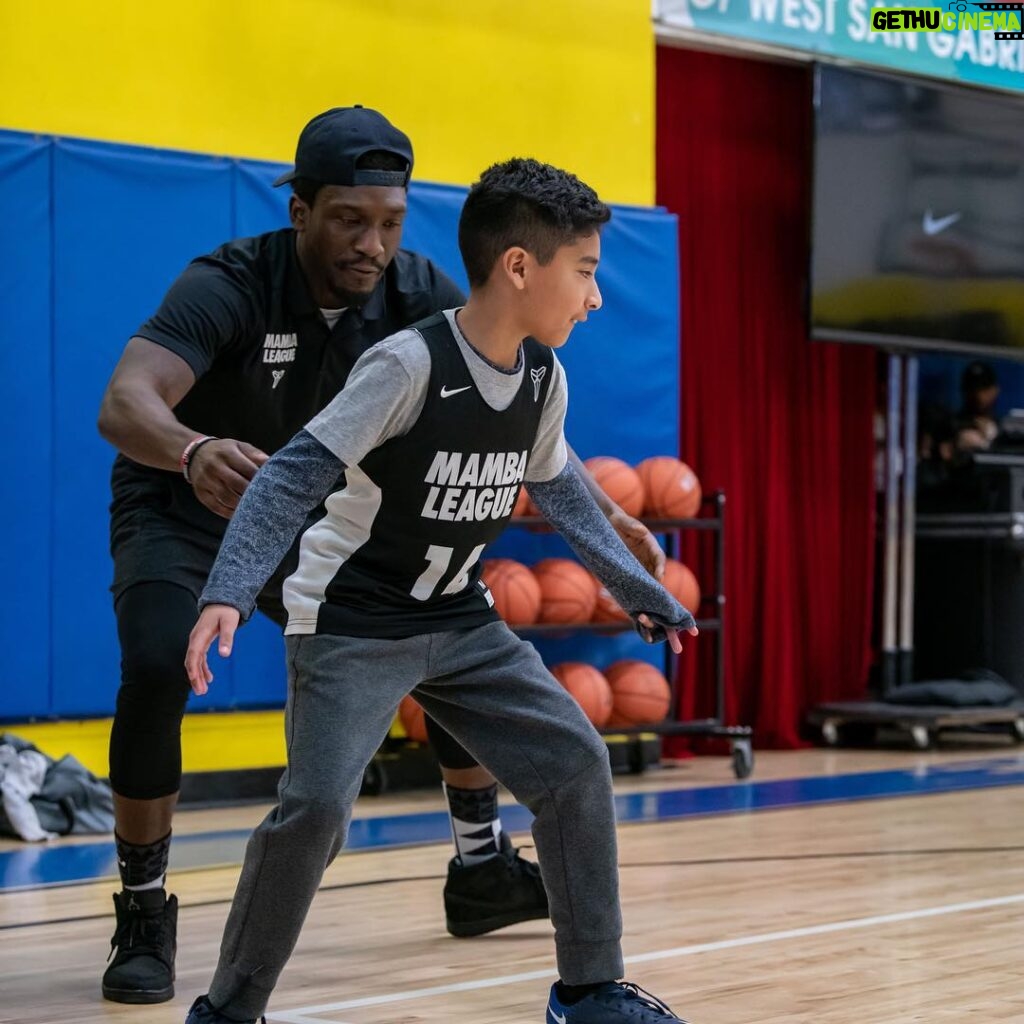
{"x": 69, "y": 799}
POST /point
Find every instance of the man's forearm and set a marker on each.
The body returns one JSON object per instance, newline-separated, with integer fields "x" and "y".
{"x": 139, "y": 424}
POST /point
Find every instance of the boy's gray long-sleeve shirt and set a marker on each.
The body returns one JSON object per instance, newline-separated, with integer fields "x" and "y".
{"x": 299, "y": 477}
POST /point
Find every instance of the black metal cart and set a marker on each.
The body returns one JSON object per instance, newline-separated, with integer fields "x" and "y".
{"x": 738, "y": 736}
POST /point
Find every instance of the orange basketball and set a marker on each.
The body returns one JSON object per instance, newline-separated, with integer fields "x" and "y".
{"x": 568, "y": 591}
{"x": 589, "y": 688}
{"x": 640, "y": 693}
{"x": 619, "y": 481}
{"x": 671, "y": 487}
{"x": 682, "y": 585}
{"x": 410, "y": 714}
{"x": 607, "y": 609}
{"x": 515, "y": 590}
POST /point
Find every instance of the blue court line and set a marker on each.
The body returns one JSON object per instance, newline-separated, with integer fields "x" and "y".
{"x": 41, "y": 864}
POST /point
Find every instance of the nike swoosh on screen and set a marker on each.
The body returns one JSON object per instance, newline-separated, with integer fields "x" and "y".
{"x": 933, "y": 226}
{"x": 445, "y": 393}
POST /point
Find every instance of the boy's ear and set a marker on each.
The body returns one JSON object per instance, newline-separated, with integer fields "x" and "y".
{"x": 298, "y": 213}
{"x": 513, "y": 264}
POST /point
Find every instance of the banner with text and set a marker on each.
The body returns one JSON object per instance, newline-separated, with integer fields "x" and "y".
{"x": 843, "y": 28}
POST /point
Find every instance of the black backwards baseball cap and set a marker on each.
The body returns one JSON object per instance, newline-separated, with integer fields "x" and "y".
{"x": 331, "y": 144}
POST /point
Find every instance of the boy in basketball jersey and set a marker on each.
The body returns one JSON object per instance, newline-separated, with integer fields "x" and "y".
{"x": 435, "y": 431}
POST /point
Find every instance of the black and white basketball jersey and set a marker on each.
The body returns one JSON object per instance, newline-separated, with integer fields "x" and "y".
{"x": 398, "y": 552}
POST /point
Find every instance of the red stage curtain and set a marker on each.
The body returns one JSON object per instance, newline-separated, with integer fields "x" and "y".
{"x": 781, "y": 423}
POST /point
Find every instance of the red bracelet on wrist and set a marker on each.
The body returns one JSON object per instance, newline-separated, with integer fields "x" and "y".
{"x": 189, "y": 453}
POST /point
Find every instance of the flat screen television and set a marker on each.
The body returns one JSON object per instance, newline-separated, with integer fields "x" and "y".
{"x": 918, "y": 215}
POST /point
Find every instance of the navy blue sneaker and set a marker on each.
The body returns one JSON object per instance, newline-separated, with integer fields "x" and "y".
{"x": 203, "y": 1013}
{"x": 614, "y": 1003}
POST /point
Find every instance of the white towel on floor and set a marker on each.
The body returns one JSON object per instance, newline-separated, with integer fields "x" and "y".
{"x": 21, "y": 777}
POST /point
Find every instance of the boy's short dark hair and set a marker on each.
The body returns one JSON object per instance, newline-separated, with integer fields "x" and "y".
{"x": 525, "y": 203}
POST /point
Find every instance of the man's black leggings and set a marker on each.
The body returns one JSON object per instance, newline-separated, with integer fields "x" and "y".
{"x": 154, "y": 620}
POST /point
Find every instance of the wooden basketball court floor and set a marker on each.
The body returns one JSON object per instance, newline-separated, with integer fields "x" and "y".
{"x": 832, "y": 887}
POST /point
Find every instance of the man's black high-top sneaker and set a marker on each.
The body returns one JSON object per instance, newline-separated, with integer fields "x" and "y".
{"x": 497, "y": 892}
{"x": 142, "y": 970}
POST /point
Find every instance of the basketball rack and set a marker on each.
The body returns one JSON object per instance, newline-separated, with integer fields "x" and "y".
{"x": 739, "y": 737}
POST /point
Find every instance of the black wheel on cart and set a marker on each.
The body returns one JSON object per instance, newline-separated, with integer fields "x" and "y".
{"x": 742, "y": 759}
{"x": 839, "y": 733}
{"x": 636, "y": 756}
{"x": 830, "y": 732}
{"x": 922, "y": 737}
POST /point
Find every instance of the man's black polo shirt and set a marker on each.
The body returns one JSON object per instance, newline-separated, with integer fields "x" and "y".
{"x": 264, "y": 358}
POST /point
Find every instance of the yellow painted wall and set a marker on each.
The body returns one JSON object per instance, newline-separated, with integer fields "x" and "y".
{"x": 231, "y": 741}
{"x": 213, "y": 742}
{"x": 471, "y": 81}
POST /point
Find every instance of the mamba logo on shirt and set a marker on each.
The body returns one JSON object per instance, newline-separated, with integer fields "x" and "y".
{"x": 473, "y": 487}
{"x": 280, "y": 348}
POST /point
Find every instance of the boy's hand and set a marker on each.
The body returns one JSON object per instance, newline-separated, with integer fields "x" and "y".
{"x": 652, "y": 629}
{"x": 214, "y": 620}
{"x": 640, "y": 541}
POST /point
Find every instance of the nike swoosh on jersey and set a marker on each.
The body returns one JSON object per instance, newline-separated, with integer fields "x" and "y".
{"x": 932, "y": 226}
{"x": 446, "y": 393}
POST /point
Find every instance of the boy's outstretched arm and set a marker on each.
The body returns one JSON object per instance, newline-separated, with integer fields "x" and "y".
{"x": 569, "y": 506}
{"x": 267, "y": 520}
{"x": 640, "y": 541}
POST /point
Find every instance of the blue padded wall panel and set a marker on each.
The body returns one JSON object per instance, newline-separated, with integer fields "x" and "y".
{"x": 258, "y": 666}
{"x": 432, "y": 227}
{"x": 259, "y": 207}
{"x": 623, "y": 364}
{"x": 126, "y": 222}
{"x": 25, "y": 335}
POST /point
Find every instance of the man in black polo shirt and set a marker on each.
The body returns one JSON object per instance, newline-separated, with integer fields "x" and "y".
{"x": 248, "y": 345}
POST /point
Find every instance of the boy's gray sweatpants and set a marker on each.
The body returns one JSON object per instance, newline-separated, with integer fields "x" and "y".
{"x": 490, "y": 690}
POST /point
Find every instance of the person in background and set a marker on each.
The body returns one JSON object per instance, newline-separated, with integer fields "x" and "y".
{"x": 976, "y": 424}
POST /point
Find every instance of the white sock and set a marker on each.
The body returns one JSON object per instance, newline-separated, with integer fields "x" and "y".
{"x": 157, "y": 883}
{"x": 475, "y": 842}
